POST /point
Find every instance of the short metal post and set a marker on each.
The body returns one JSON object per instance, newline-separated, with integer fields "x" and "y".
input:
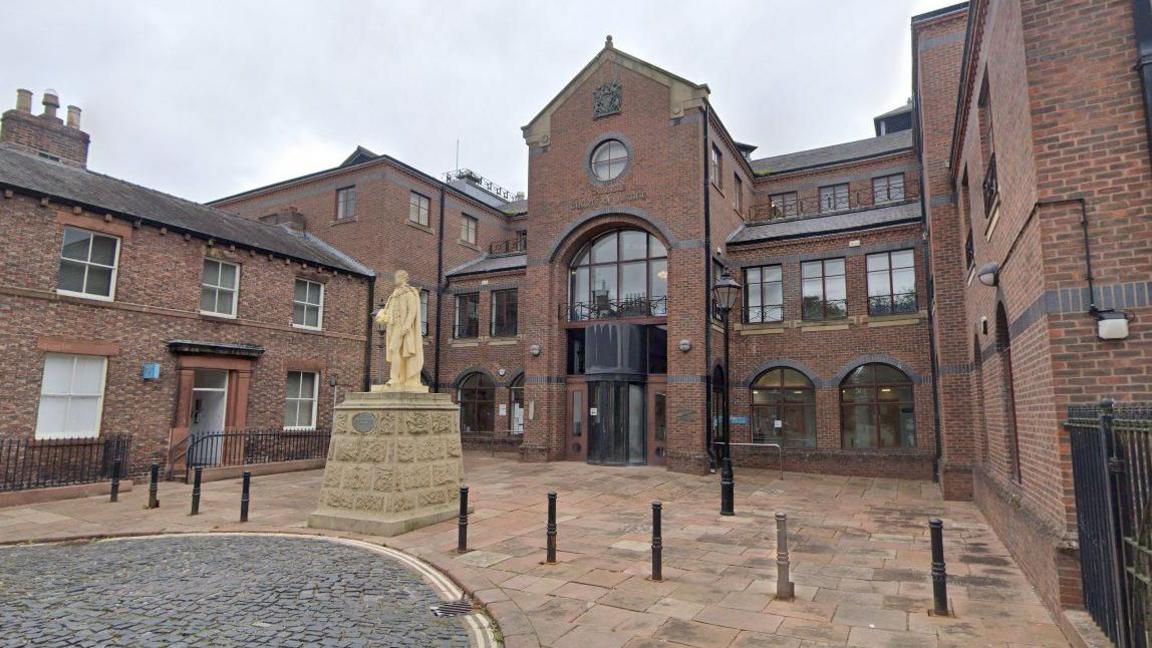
{"x": 196, "y": 491}
{"x": 551, "y": 560}
{"x": 114, "y": 495}
{"x": 153, "y": 479}
{"x": 244, "y": 496}
{"x": 657, "y": 543}
{"x": 727, "y": 486}
{"x": 939, "y": 573}
{"x": 462, "y": 524}
{"x": 785, "y": 589}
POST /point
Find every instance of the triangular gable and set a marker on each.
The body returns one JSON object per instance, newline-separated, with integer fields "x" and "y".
{"x": 684, "y": 94}
{"x": 361, "y": 154}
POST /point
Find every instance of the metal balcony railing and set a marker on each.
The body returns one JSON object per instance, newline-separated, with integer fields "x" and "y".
{"x": 517, "y": 245}
{"x": 600, "y": 309}
{"x": 812, "y": 204}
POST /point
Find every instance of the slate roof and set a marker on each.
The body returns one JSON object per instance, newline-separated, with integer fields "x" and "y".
{"x": 785, "y": 228}
{"x": 515, "y": 207}
{"x": 896, "y": 111}
{"x": 490, "y": 264}
{"x": 848, "y": 151}
{"x": 74, "y": 185}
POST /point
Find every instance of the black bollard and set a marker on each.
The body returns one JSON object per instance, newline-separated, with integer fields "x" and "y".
{"x": 196, "y": 491}
{"x": 939, "y": 573}
{"x": 727, "y": 487}
{"x": 244, "y": 496}
{"x": 153, "y": 479}
{"x": 785, "y": 589}
{"x": 551, "y": 560}
{"x": 462, "y": 524}
{"x": 114, "y": 494}
{"x": 657, "y": 543}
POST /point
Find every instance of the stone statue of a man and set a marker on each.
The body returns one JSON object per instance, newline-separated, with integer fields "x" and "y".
{"x": 404, "y": 343}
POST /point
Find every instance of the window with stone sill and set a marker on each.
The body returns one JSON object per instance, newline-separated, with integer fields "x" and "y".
{"x": 346, "y": 203}
{"x": 71, "y": 396}
{"x": 219, "y": 288}
{"x": 300, "y": 402}
{"x": 88, "y": 263}
{"x": 419, "y": 206}
{"x": 308, "y": 304}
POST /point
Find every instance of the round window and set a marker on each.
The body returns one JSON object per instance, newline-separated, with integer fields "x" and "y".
{"x": 609, "y": 160}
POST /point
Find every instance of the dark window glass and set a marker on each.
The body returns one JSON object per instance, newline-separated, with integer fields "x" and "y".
{"x": 619, "y": 274}
{"x": 784, "y": 204}
{"x": 657, "y": 349}
{"x": 825, "y": 295}
{"x": 877, "y": 408}
{"x": 477, "y": 398}
{"x": 889, "y": 188}
{"x": 575, "y": 365}
{"x": 504, "y": 312}
{"x": 467, "y": 316}
{"x": 763, "y": 294}
{"x": 346, "y": 203}
{"x": 891, "y": 283}
{"x": 784, "y": 409}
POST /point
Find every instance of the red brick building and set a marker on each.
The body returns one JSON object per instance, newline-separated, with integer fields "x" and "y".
{"x": 126, "y": 310}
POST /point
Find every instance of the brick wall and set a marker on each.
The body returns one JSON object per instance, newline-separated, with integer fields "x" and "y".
{"x": 157, "y": 300}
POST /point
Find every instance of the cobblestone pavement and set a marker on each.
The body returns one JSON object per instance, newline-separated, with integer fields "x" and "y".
{"x": 860, "y": 555}
{"x": 215, "y": 591}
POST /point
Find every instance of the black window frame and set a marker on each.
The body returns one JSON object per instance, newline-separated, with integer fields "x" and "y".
{"x": 837, "y": 205}
{"x": 786, "y": 402}
{"x": 824, "y": 301}
{"x": 876, "y": 302}
{"x": 509, "y": 311}
{"x": 467, "y": 306}
{"x": 874, "y": 401}
{"x": 789, "y": 204}
{"x": 759, "y": 288}
{"x": 888, "y": 186}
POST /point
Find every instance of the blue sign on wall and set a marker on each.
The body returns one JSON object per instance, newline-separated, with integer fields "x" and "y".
{"x": 150, "y": 371}
{"x": 738, "y": 420}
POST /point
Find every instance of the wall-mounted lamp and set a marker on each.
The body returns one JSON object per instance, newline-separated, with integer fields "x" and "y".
{"x": 1111, "y": 324}
{"x": 989, "y": 274}
{"x": 534, "y": 350}
{"x": 685, "y": 345}
{"x": 500, "y": 372}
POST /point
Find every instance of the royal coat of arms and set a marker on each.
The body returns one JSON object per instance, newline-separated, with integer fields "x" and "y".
{"x": 606, "y": 100}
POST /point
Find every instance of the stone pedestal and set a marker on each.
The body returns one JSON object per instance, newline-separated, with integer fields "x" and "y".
{"x": 394, "y": 464}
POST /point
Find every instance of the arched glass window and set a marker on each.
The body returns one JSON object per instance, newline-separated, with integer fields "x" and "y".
{"x": 516, "y": 405}
{"x": 609, "y": 159}
{"x": 877, "y": 408}
{"x": 477, "y": 398}
{"x": 623, "y": 273}
{"x": 784, "y": 409}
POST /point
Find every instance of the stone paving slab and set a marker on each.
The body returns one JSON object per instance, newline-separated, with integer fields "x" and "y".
{"x": 860, "y": 555}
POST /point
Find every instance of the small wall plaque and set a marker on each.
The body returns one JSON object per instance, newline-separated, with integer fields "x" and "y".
{"x": 150, "y": 371}
{"x": 364, "y": 422}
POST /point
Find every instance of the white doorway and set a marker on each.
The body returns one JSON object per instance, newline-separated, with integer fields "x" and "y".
{"x": 206, "y": 421}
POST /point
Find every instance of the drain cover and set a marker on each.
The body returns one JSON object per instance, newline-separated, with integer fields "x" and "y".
{"x": 452, "y": 609}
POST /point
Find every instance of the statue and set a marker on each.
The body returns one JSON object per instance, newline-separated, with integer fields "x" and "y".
{"x": 404, "y": 343}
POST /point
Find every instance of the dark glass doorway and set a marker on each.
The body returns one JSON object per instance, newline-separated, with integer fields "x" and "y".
{"x": 616, "y": 423}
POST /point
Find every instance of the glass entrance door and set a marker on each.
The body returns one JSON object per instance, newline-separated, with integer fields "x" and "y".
{"x": 616, "y": 423}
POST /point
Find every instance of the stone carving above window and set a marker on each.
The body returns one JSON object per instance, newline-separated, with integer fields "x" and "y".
{"x": 606, "y": 100}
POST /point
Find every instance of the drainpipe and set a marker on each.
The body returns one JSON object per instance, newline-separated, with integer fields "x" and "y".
{"x": 1093, "y": 309}
{"x": 369, "y": 329}
{"x": 708, "y": 431}
{"x": 1142, "y": 17}
{"x": 440, "y": 286}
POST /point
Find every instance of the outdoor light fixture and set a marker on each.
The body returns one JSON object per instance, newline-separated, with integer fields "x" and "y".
{"x": 534, "y": 350}
{"x": 1111, "y": 324}
{"x": 726, "y": 293}
{"x": 989, "y": 274}
{"x": 685, "y": 345}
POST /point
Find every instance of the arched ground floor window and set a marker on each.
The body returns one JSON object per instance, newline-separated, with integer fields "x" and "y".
{"x": 476, "y": 396}
{"x": 877, "y": 408}
{"x": 783, "y": 408}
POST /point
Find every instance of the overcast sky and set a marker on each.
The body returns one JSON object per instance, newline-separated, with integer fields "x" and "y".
{"x": 204, "y": 99}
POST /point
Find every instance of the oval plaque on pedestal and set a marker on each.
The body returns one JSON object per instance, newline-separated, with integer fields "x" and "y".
{"x": 364, "y": 422}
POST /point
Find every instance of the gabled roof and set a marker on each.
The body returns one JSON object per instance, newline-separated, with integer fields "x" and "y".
{"x": 489, "y": 263}
{"x": 835, "y": 154}
{"x": 787, "y": 228}
{"x": 906, "y": 108}
{"x": 77, "y": 186}
{"x": 683, "y": 93}
{"x": 361, "y": 154}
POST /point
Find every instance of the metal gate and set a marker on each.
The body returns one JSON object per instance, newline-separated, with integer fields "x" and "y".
{"x": 1112, "y": 474}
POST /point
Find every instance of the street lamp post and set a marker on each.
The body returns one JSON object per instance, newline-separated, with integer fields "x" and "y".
{"x": 725, "y": 293}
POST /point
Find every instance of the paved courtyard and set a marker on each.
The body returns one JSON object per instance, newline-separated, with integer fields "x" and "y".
{"x": 859, "y": 548}
{"x": 215, "y": 591}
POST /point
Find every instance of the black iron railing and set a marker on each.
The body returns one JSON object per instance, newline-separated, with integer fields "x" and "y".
{"x": 1112, "y": 475}
{"x": 27, "y": 463}
{"x": 247, "y": 447}
{"x": 899, "y": 304}
{"x": 853, "y": 200}
{"x": 517, "y": 245}
{"x": 763, "y": 314}
{"x": 493, "y": 442}
{"x": 991, "y": 187}
{"x": 599, "y": 309}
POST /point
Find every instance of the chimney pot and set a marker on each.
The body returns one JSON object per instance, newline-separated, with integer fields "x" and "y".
{"x": 24, "y": 100}
{"x": 73, "y": 117}
{"x": 51, "y": 102}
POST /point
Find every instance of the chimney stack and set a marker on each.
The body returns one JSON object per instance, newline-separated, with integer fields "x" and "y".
{"x": 24, "y": 100}
{"x": 51, "y": 103}
{"x": 45, "y": 134}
